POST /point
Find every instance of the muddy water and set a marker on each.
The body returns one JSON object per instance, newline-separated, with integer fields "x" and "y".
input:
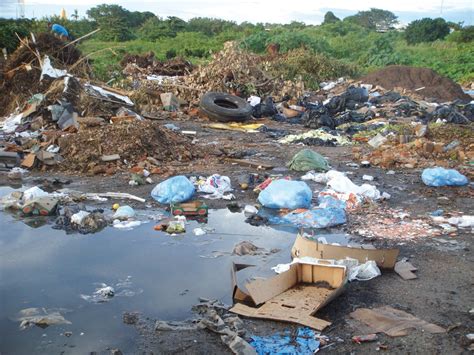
{"x": 44, "y": 267}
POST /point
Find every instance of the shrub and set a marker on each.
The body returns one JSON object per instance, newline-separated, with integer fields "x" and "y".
{"x": 426, "y": 30}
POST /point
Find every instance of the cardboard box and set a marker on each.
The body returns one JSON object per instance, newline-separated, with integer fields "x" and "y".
{"x": 385, "y": 258}
{"x": 293, "y": 296}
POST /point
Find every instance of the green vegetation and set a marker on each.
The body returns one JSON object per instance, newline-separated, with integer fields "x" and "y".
{"x": 426, "y": 30}
{"x": 353, "y": 46}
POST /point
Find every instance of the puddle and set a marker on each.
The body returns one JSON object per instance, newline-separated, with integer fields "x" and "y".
{"x": 45, "y": 267}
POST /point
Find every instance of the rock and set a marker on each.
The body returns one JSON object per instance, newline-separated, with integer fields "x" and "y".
{"x": 130, "y": 317}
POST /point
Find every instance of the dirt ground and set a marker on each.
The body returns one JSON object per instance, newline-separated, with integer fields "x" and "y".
{"x": 442, "y": 294}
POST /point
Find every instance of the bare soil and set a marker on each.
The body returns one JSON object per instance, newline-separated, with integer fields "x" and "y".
{"x": 412, "y": 78}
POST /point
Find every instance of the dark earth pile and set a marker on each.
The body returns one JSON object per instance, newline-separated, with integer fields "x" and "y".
{"x": 133, "y": 141}
{"x": 411, "y": 78}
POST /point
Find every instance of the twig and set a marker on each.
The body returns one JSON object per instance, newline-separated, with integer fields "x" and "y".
{"x": 78, "y": 39}
{"x": 90, "y": 54}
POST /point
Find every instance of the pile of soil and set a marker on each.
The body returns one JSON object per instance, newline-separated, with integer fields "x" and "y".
{"x": 21, "y": 72}
{"x": 147, "y": 64}
{"x": 133, "y": 141}
{"x": 412, "y": 78}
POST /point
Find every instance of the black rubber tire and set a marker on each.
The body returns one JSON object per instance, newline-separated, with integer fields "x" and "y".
{"x": 222, "y": 107}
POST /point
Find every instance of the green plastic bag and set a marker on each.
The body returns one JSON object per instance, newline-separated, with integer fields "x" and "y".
{"x": 306, "y": 160}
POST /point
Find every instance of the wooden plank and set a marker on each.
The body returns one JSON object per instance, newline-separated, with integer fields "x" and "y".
{"x": 251, "y": 163}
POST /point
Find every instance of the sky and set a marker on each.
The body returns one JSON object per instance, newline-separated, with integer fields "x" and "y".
{"x": 273, "y": 11}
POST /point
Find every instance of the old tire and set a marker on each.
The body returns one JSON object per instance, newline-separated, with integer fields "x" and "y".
{"x": 222, "y": 107}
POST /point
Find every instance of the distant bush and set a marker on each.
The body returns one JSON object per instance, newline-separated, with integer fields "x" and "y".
{"x": 8, "y": 31}
{"x": 463, "y": 35}
{"x": 426, "y": 30}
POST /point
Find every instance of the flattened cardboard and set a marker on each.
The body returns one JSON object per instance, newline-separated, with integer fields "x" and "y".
{"x": 405, "y": 270}
{"x": 29, "y": 160}
{"x": 293, "y": 296}
{"x": 385, "y": 258}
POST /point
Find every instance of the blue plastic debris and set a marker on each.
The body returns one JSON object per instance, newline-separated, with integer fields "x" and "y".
{"x": 303, "y": 343}
{"x": 174, "y": 190}
{"x": 443, "y": 177}
{"x": 317, "y": 218}
{"x": 437, "y": 213}
{"x": 325, "y": 201}
{"x": 286, "y": 194}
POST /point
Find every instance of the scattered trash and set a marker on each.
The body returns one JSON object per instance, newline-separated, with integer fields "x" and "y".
{"x": 246, "y": 248}
{"x": 194, "y": 208}
{"x": 393, "y": 322}
{"x": 104, "y": 293}
{"x": 305, "y": 246}
{"x": 358, "y": 339}
{"x": 174, "y": 190}
{"x": 306, "y": 160}
{"x": 303, "y": 342}
{"x": 223, "y": 107}
{"x": 405, "y": 270}
{"x": 443, "y": 177}
{"x": 216, "y": 186}
{"x": 124, "y": 213}
{"x": 286, "y": 194}
{"x": 250, "y": 210}
{"x": 41, "y": 317}
{"x": 199, "y": 231}
{"x": 286, "y": 297}
{"x": 316, "y": 218}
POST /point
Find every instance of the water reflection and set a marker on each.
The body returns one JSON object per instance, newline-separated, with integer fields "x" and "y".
{"x": 44, "y": 267}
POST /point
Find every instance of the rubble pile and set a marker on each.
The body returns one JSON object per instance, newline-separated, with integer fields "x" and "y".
{"x": 132, "y": 141}
{"x": 22, "y": 71}
{"x": 424, "y": 81}
{"x": 419, "y": 146}
{"x": 237, "y": 72}
{"x": 143, "y": 66}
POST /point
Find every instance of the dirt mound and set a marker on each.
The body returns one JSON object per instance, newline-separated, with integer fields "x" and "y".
{"x": 133, "y": 141}
{"x": 411, "y": 78}
{"x": 21, "y": 72}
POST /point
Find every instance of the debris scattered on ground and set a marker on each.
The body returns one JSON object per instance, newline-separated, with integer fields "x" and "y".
{"x": 41, "y": 317}
{"x": 393, "y": 322}
{"x": 405, "y": 270}
{"x": 303, "y": 342}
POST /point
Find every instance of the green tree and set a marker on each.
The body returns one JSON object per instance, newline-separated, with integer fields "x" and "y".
{"x": 330, "y": 18}
{"x": 210, "y": 26}
{"x": 113, "y": 21}
{"x": 374, "y": 19}
{"x": 154, "y": 29}
{"x": 426, "y": 30}
{"x": 137, "y": 18}
{"x": 75, "y": 15}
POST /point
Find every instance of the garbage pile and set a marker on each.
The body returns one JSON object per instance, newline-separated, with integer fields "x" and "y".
{"x": 148, "y": 67}
{"x": 22, "y": 70}
{"x": 237, "y": 72}
{"x": 62, "y": 120}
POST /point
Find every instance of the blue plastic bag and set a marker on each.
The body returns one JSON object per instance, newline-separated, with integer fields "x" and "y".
{"x": 325, "y": 201}
{"x": 443, "y": 177}
{"x": 317, "y": 218}
{"x": 286, "y": 194}
{"x": 174, "y": 190}
{"x": 303, "y": 342}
